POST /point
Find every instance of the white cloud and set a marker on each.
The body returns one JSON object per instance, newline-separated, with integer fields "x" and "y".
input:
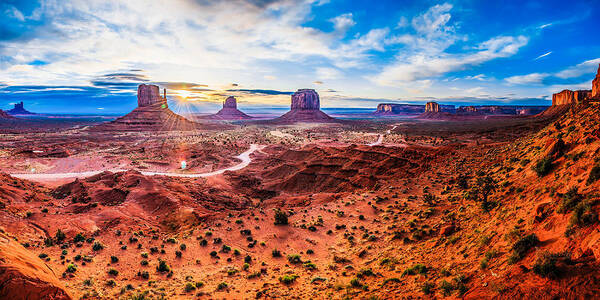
{"x": 343, "y": 22}
{"x": 419, "y": 66}
{"x": 585, "y": 67}
{"x": 534, "y": 78}
{"x": 328, "y": 73}
{"x": 425, "y": 55}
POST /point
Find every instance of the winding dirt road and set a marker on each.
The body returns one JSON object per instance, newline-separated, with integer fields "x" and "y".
{"x": 244, "y": 157}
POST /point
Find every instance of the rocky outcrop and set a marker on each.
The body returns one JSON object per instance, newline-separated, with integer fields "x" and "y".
{"x": 19, "y": 109}
{"x": 596, "y": 85}
{"x": 23, "y": 275}
{"x": 432, "y": 107}
{"x": 149, "y": 95}
{"x": 570, "y": 97}
{"x": 228, "y": 112}
{"x": 305, "y": 99}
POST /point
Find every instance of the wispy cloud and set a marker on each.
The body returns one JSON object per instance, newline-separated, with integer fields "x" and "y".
{"x": 543, "y": 55}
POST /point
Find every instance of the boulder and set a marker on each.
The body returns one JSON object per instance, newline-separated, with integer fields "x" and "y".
{"x": 432, "y": 107}
{"x": 305, "y": 99}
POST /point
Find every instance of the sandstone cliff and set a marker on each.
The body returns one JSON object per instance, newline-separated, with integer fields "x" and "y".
{"x": 305, "y": 99}
{"x": 149, "y": 95}
{"x": 570, "y": 97}
{"x": 596, "y": 85}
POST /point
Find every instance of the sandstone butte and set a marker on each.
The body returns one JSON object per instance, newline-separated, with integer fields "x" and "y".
{"x": 228, "y": 112}
{"x": 305, "y": 107}
{"x": 432, "y": 107}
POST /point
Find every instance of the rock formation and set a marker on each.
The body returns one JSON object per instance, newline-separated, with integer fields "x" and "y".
{"x": 228, "y": 112}
{"x": 23, "y": 275}
{"x": 596, "y": 85}
{"x": 570, "y": 97}
{"x": 432, "y": 107}
{"x": 305, "y": 107}
{"x": 407, "y": 109}
{"x": 19, "y": 109}
{"x": 152, "y": 114}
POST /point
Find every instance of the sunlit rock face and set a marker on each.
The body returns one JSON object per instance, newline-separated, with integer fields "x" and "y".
{"x": 149, "y": 95}
{"x": 596, "y": 85}
{"x": 306, "y": 99}
{"x": 570, "y": 97}
{"x": 432, "y": 107}
{"x": 230, "y": 102}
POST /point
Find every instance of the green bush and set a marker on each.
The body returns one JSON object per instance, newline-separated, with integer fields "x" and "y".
{"x": 543, "y": 166}
{"x": 416, "y": 269}
{"x": 545, "y": 265}
{"x": 288, "y": 279}
{"x": 594, "y": 174}
{"x": 522, "y": 246}
{"x": 163, "y": 267}
{"x": 281, "y": 218}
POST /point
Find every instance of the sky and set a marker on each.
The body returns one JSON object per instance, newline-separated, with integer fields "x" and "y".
{"x": 88, "y": 56}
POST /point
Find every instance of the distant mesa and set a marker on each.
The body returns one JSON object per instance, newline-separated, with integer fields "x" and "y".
{"x": 305, "y": 107}
{"x": 228, "y": 112}
{"x": 479, "y": 111}
{"x": 407, "y": 109}
{"x": 19, "y": 109}
{"x": 152, "y": 114}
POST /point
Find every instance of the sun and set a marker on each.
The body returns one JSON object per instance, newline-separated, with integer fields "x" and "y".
{"x": 184, "y": 94}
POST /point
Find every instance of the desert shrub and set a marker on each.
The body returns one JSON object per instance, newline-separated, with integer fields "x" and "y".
{"x": 416, "y": 269}
{"x": 427, "y": 288}
{"x": 190, "y": 287}
{"x": 288, "y": 279}
{"x": 388, "y": 280}
{"x": 114, "y": 259}
{"x": 59, "y": 236}
{"x": 182, "y": 247}
{"x": 294, "y": 259}
{"x": 178, "y": 254}
{"x": 543, "y": 166}
{"x": 545, "y": 265}
{"x": 569, "y": 200}
{"x": 71, "y": 268}
{"x": 355, "y": 282}
{"x": 281, "y": 218}
{"x": 143, "y": 274}
{"x": 97, "y": 246}
{"x": 225, "y": 249}
{"x": 310, "y": 266}
{"x": 582, "y": 215}
{"x": 113, "y": 272}
{"x": 522, "y": 246}
{"x": 276, "y": 253}
{"x": 222, "y": 286}
{"x": 163, "y": 267}
{"x": 79, "y": 238}
{"x": 594, "y": 174}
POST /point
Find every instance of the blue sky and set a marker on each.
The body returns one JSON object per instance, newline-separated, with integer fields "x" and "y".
{"x": 88, "y": 56}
